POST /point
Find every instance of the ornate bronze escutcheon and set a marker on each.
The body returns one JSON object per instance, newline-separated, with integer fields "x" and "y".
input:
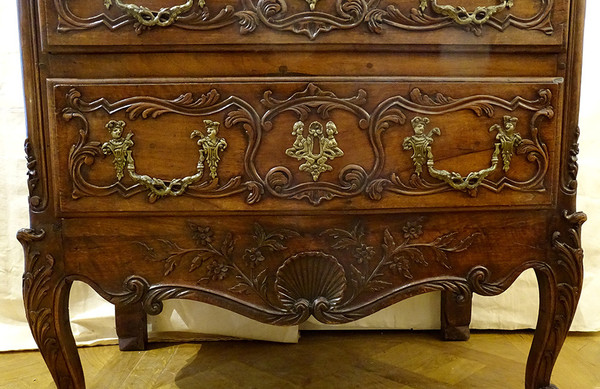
{"x": 303, "y": 147}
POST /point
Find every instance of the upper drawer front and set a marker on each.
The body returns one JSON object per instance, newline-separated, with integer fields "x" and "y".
{"x": 303, "y": 146}
{"x": 258, "y": 22}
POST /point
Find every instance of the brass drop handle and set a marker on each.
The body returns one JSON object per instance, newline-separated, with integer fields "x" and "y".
{"x": 209, "y": 147}
{"x": 460, "y": 15}
{"x": 471, "y": 180}
{"x": 422, "y": 156}
{"x": 146, "y": 17}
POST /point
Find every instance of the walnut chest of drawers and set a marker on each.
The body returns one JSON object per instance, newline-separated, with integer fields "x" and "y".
{"x": 289, "y": 158}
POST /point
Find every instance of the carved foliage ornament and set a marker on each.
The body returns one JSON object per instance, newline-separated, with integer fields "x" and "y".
{"x": 308, "y": 282}
{"x": 40, "y": 288}
{"x": 37, "y": 197}
{"x": 426, "y": 15}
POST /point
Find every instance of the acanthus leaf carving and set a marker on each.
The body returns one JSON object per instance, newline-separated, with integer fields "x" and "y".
{"x": 569, "y": 180}
{"x": 36, "y": 197}
{"x": 43, "y": 293}
{"x": 560, "y": 281}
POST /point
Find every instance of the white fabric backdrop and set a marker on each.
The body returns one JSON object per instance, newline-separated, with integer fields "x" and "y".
{"x": 92, "y": 318}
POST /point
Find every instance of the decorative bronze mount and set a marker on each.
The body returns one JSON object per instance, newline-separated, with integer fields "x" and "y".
{"x": 420, "y": 143}
{"x": 209, "y": 148}
{"x": 461, "y": 16}
{"x": 303, "y": 147}
{"x": 146, "y": 17}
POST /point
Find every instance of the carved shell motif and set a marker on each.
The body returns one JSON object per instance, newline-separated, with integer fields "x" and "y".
{"x": 310, "y": 279}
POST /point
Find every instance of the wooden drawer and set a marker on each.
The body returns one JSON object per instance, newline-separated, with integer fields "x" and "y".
{"x": 297, "y": 145}
{"x": 69, "y": 23}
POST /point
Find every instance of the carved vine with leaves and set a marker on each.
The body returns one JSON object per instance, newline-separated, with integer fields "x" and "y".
{"x": 308, "y": 282}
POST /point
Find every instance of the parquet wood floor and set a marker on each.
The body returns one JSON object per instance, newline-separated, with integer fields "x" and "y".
{"x": 335, "y": 359}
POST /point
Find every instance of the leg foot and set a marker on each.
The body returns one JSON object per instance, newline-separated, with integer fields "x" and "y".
{"x": 456, "y": 315}
{"x": 132, "y": 329}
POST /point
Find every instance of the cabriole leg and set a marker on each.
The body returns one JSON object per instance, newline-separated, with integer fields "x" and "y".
{"x": 560, "y": 282}
{"x": 46, "y": 298}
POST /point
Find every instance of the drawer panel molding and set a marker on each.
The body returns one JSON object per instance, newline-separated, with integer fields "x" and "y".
{"x": 311, "y": 20}
{"x": 322, "y": 150}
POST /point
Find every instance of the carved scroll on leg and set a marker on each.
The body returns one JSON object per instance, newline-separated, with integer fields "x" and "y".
{"x": 46, "y": 298}
{"x": 456, "y": 315}
{"x": 560, "y": 283}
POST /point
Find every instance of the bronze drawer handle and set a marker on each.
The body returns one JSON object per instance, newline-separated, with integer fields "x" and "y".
{"x": 209, "y": 147}
{"x": 461, "y": 16}
{"x": 421, "y": 142}
{"x": 146, "y": 17}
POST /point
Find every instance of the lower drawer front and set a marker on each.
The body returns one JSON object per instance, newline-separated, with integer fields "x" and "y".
{"x": 302, "y": 145}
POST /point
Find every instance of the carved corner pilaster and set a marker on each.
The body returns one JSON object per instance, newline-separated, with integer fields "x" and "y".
{"x": 570, "y": 171}
{"x": 37, "y": 191}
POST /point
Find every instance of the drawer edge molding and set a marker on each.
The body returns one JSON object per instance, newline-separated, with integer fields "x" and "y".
{"x": 349, "y": 14}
